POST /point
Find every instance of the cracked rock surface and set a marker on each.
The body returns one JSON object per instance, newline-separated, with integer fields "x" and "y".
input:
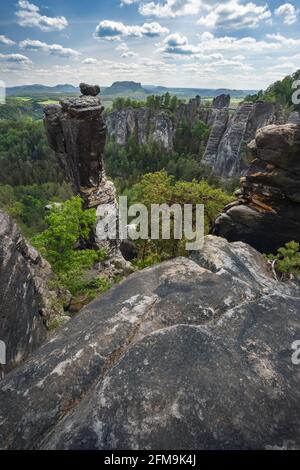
{"x": 28, "y": 305}
{"x": 190, "y": 354}
{"x": 266, "y": 213}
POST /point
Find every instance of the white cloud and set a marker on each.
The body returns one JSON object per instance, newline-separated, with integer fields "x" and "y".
{"x": 6, "y": 41}
{"x": 15, "y": 59}
{"x": 90, "y": 61}
{"x": 235, "y": 15}
{"x": 178, "y": 44}
{"x": 128, "y": 2}
{"x": 54, "y": 49}
{"x": 129, "y": 55}
{"x": 284, "y": 41}
{"x": 29, "y": 16}
{"x": 115, "y": 30}
{"x": 289, "y": 13}
{"x": 122, "y": 47}
{"x": 171, "y": 8}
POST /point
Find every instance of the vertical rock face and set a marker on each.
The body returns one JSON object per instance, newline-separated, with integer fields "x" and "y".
{"x": 77, "y": 133}
{"x": 27, "y": 303}
{"x": 145, "y": 124}
{"x": 267, "y": 212}
{"x": 226, "y": 149}
{"x": 219, "y": 127}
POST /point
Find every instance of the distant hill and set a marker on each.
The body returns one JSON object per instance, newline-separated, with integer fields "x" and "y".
{"x": 29, "y": 90}
{"x": 124, "y": 88}
{"x": 203, "y": 92}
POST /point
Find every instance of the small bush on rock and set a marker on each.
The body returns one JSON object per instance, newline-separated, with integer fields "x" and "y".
{"x": 287, "y": 259}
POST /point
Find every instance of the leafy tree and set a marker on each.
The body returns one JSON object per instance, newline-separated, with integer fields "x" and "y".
{"x": 279, "y": 92}
{"x": 68, "y": 226}
{"x": 160, "y": 188}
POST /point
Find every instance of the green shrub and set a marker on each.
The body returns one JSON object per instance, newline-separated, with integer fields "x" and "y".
{"x": 287, "y": 259}
{"x": 69, "y": 225}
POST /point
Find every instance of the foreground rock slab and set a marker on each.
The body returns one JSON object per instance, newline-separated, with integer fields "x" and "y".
{"x": 190, "y": 354}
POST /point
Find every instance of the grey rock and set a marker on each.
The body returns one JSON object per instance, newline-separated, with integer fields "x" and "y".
{"x": 219, "y": 127}
{"x": 28, "y": 304}
{"x": 294, "y": 118}
{"x": 226, "y": 151}
{"x": 267, "y": 212}
{"x": 190, "y": 354}
{"x": 145, "y": 125}
{"x": 76, "y": 131}
{"x": 221, "y": 101}
{"x": 89, "y": 90}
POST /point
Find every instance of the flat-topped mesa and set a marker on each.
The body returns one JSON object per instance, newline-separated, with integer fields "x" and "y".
{"x": 77, "y": 133}
{"x": 267, "y": 211}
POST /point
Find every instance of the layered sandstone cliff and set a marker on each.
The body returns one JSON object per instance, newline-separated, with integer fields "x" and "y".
{"x": 76, "y": 131}
{"x": 266, "y": 213}
{"x": 231, "y": 129}
{"x": 29, "y": 304}
{"x": 226, "y": 149}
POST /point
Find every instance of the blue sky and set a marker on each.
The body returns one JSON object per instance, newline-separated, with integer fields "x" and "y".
{"x": 244, "y": 44}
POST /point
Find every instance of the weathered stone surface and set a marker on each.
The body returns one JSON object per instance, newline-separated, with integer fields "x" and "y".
{"x": 191, "y": 354}
{"x": 145, "y": 124}
{"x": 219, "y": 127}
{"x": 267, "y": 212}
{"x": 89, "y": 90}
{"x": 221, "y": 101}
{"x": 77, "y": 133}
{"x": 226, "y": 148}
{"x": 28, "y": 305}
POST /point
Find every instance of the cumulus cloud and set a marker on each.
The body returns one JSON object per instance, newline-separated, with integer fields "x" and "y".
{"x": 116, "y": 30}
{"x": 288, "y": 12}
{"x": 6, "y": 41}
{"x": 129, "y": 55}
{"x": 171, "y": 8}
{"x": 90, "y": 61}
{"x": 122, "y": 47}
{"x": 178, "y": 44}
{"x": 54, "y": 49}
{"x": 15, "y": 59}
{"x": 235, "y": 15}
{"x": 29, "y": 15}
